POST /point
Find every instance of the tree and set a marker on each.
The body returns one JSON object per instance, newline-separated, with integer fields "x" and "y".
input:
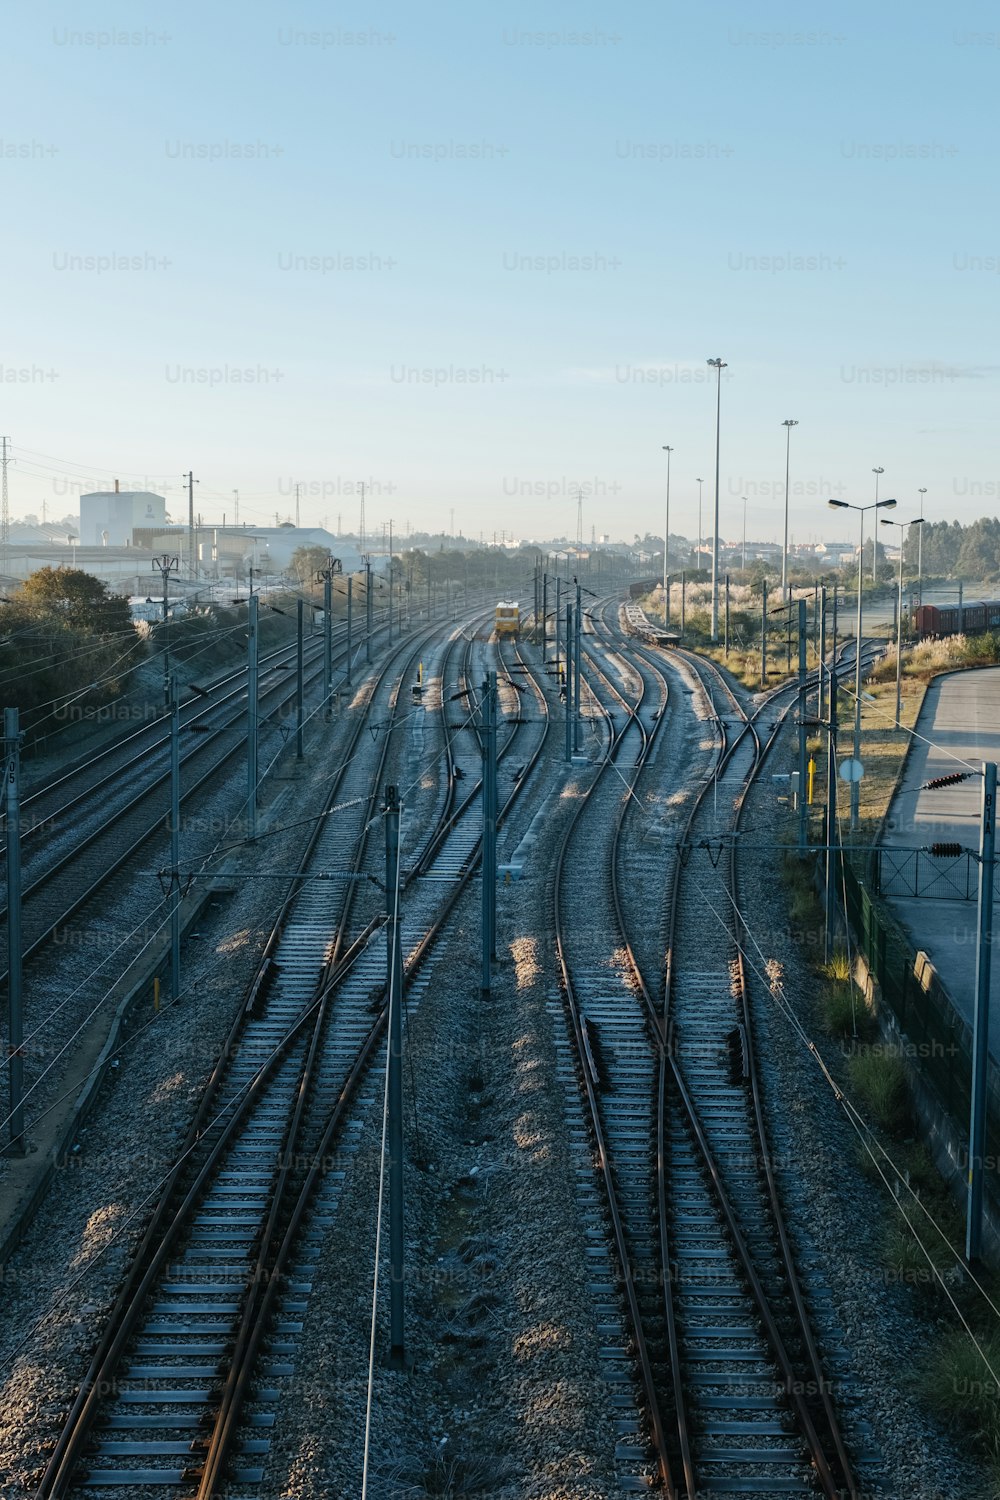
{"x": 306, "y": 562}
{"x": 67, "y": 646}
{"x": 76, "y": 598}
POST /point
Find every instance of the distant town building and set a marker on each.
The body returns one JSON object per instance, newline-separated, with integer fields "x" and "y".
{"x": 108, "y": 518}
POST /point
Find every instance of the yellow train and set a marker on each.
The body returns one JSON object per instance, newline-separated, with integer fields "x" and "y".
{"x": 508, "y": 621}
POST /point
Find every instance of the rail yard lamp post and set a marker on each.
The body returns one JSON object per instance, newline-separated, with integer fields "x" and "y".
{"x": 718, "y": 365}
{"x": 666, "y": 544}
{"x": 744, "y": 535}
{"x": 876, "y": 472}
{"x": 784, "y": 548}
{"x": 697, "y": 563}
{"x": 920, "y": 552}
{"x": 899, "y": 606}
{"x": 846, "y": 505}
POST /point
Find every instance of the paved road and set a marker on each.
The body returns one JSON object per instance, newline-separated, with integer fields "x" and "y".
{"x": 960, "y": 717}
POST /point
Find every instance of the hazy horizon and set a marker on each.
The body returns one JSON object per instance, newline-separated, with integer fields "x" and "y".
{"x": 477, "y": 260}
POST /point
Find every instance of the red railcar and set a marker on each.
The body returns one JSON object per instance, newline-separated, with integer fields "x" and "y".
{"x": 952, "y": 619}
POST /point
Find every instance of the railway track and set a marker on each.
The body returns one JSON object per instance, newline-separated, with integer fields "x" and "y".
{"x": 210, "y": 1311}
{"x": 69, "y": 895}
{"x": 733, "y": 1394}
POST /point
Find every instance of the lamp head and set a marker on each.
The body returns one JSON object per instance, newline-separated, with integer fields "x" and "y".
{"x": 839, "y": 504}
{"x": 889, "y": 503}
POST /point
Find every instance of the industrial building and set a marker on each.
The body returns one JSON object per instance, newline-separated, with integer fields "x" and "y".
{"x": 108, "y": 518}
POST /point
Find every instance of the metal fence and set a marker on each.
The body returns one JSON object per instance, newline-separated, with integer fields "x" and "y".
{"x": 935, "y": 1036}
{"x": 915, "y": 872}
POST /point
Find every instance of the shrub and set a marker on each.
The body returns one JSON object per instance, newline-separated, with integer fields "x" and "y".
{"x": 846, "y": 1012}
{"x": 879, "y": 1076}
{"x": 957, "y": 1382}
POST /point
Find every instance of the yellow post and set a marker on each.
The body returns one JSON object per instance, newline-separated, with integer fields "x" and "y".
{"x": 812, "y": 773}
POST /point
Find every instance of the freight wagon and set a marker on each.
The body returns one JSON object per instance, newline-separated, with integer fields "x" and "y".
{"x": 957, "y": 619}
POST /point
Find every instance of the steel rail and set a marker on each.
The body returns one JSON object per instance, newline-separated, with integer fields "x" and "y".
{"x": 167, "y": 1221}
{"x": 605, "y": 1165}
{"x": 274, "y": 662}
{"x": 832, "y": 1486}
{"x": 36, "y": 887}
{"x": 253, "y": 1327}
{"x": 452, "y": 813}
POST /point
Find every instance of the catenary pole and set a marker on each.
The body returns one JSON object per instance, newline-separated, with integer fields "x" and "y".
{"x": 666, "y": 544}
{"x": 350, "y": 623}
{"x": 802, "y": 726}
{"x": 981, "y": 1019}
{"x": 394, "y": 984}
{"x": 763, "y": 632}
{"x": 545, "y": 618}
{"x": 15, "y": 1052}
{"x": 298, "y": 678}
{"x": 175, "y": 839}
{"x": 489, "y": 851}
{"x": 577, "y": 663}
{"x": 327, "y": 636}
{"x": 821, "y": 675}
{"x": 726, "y": 631}
{"x": 569, "y": 682}
{"x": 831, "y": 821}
{"x": 252, "y": 725}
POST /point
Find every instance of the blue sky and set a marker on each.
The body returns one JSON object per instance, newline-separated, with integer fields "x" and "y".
{"x": 559, "y": 212}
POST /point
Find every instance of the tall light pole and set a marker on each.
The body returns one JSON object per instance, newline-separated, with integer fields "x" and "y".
{"x": 698, "y": 482}
{"x": 899, "y": 607}
{"x": 876, "y": 472}
{"x": 784, "y": 549}
{"x": 846, "y": 505}
{"x": 718, "y": 365}
{"x": 744, "y": 534}
{"x": 666, "y": 543}
{"x": 920, "y": 552}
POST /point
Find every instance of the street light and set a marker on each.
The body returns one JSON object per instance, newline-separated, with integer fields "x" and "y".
{"x": 784, "y": 550}
{"x": 876, "y": 472}
{"x": 698, "y": 482}
{"x": 899, "y": 606}
{"x": 718, "y": 365}
{"x": 666, "y": 542}
{"x": 920, "y": 552}
{"x": 744, "y": 534}
{"x": 846, "y": 505}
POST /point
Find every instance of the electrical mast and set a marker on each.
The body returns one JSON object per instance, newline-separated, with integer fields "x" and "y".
{"x": 4, "y": 508}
